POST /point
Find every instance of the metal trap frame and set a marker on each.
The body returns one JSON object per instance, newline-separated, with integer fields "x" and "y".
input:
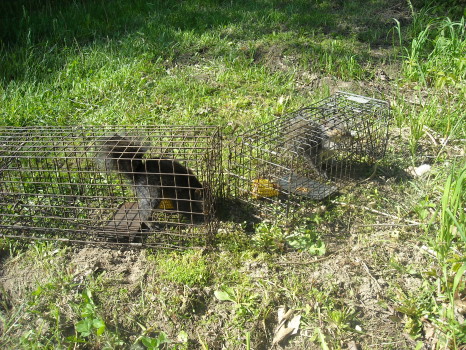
{"x": 56, "y": 183}
{"x": 309, "y": 154}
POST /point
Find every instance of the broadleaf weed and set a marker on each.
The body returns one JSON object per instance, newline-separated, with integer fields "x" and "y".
{"x": 91, "y": 322}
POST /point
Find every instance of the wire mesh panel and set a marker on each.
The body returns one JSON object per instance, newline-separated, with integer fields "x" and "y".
{"x": 148, "y": 186}
{"x": 310, "y": 153}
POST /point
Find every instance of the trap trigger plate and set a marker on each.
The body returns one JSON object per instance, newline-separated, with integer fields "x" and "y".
{"x": 306, "y": 187}
{"x": 125, "y": 220}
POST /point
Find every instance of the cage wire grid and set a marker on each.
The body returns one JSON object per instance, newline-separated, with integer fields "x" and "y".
{"x": 53, "y": 185}
{"x": 94, "y": 184}
{"x": 310, "y": 153}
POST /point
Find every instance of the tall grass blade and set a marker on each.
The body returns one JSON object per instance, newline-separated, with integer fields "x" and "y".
{"x": 452, "y": 215}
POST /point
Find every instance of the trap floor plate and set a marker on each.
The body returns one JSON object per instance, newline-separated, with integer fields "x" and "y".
{"x": 126, "y": 219}
{"x": 303, "y": 186}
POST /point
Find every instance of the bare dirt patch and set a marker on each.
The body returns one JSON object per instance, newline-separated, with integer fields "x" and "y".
{"x": 129, "y": 266}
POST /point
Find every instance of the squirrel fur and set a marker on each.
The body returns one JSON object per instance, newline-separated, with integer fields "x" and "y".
{"x": 153, "y": 179}
{"x": 316, "y": 141}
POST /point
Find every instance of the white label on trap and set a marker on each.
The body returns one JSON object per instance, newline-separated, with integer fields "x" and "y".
{"x": 357, "y": 99}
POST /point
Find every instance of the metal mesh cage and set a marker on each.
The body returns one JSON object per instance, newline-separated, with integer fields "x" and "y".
{"x": 310, "y": 153}
{"x": 147, "y": 186}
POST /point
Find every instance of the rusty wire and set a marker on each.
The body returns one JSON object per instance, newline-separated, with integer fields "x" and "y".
{"x": 310, "y": 153}
{"x": 52, "y": 186}
{"x": 79, "y": 185}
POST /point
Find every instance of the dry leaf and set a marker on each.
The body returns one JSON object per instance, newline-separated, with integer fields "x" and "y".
{"x": 460, "y": 304}
{"x": 281, "y": 313}
{"x": 283, "y": 317}
{"x": 418, "y": 171}
{"x": 294, "y": 323}
{"x": 288, "y": 314}
{"x": 282, "y": 334}
{"x": 429, "y": 331}
{"x": 353, "y": 346}
{"x": 284, "y": 330}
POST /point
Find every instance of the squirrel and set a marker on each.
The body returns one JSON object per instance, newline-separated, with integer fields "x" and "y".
{"x": 316, "y": 140}
{"x": 153, "y": 179}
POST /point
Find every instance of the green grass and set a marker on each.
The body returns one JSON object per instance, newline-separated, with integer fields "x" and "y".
{"x": 436, "y": 56}
{"x": 83, "y": 62}
{"x": 189, "y": 269}
{"x": 450, "y": 240}
{"x": 351, "y": 272}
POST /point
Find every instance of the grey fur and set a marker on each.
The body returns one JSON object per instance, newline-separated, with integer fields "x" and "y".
{"x": 152, "y": 179}
{"x": 316, "y": 140}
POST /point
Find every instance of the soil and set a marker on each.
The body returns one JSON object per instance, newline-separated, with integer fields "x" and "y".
{"x": 359, "y": 275}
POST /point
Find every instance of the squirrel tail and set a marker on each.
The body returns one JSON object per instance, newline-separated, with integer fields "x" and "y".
{"x": 121, "y": 154}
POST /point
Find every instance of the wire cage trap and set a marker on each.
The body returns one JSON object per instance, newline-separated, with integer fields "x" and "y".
{"x": 309, "y": 153}
{"x": 146, "y": 186}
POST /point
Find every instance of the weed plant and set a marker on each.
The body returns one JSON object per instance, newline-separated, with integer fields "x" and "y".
{"x": 436, "y": 55}
{"x": 451, "y": 244}
{"x": 439, "y": 305}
